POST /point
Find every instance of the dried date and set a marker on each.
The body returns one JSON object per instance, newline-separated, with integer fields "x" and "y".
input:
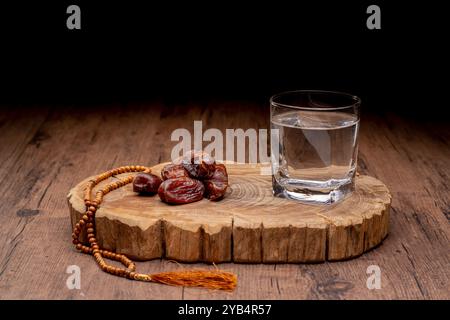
{"x": 217, "y": 185}
{"x": 146, "y": 183}
{"x": 199, "y": 165}
{"x": 181, "y": 190}
{"x": 220, "y": 173}
{"x": 172, "y": 171}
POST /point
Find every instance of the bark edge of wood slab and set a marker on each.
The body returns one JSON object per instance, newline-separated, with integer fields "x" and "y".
{"x": 248, "y": 226}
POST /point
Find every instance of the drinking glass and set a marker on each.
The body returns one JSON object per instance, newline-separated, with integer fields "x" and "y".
{"x": 314, "y": 145}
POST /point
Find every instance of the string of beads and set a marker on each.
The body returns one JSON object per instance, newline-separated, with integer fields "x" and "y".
{"x": 214, "y": 279}
{"x": 87, "y": 222}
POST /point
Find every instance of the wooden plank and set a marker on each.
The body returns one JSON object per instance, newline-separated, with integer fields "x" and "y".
{"x": 411, "y": 158}
{"x": 36, "y": 267}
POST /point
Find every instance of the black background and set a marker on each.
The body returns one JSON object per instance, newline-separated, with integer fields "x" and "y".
{"x": 186, "y": 50}
{"x": 281, "y": 309}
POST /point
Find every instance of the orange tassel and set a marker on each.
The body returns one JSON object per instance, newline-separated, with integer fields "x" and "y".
{"x": 197, "y": 278}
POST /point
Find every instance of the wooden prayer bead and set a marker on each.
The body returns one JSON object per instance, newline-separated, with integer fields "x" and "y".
{"x": 86, "y": 222}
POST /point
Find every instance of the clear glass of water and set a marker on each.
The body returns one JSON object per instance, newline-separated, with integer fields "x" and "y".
{"x": 314, "y": 145}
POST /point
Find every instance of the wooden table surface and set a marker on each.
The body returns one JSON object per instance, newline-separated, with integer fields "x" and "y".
{"x": 46, "y": 150}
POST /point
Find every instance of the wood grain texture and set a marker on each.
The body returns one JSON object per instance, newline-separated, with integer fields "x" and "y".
{"x": 145, "y": 228}
{"x": 45, "y": 151}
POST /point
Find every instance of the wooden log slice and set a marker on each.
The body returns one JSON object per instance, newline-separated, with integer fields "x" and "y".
{"x": 248, "y": 225}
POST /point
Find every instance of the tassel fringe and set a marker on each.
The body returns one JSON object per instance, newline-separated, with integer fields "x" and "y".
{"x": 216, "y": 279}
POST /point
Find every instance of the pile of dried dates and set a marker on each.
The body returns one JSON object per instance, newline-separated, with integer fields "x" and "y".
{"x": 187, "y": 179}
